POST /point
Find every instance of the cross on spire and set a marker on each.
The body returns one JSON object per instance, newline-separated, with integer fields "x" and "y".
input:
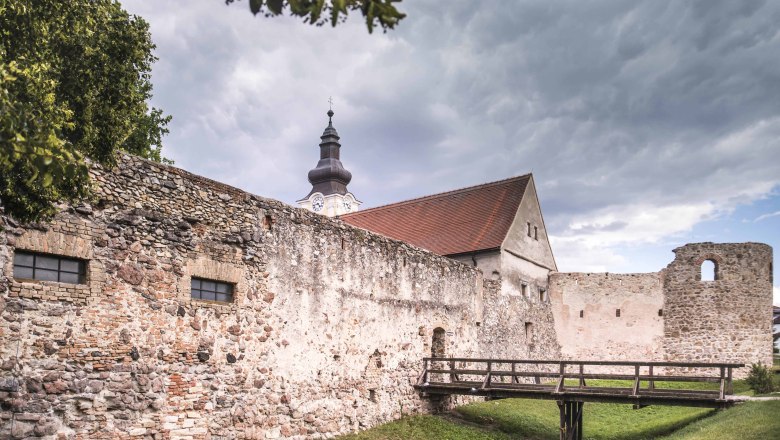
{"x": 330, "y": 111}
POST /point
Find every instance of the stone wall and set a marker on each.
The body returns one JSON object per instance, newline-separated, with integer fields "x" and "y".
{"x": 728, "y": 319}
{"x": 671, "y": 315}
{"x": 586, "y": 308}
{"x": 325, "y": 335}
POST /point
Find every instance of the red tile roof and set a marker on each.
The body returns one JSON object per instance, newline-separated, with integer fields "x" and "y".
{"x": 465, "y": 220}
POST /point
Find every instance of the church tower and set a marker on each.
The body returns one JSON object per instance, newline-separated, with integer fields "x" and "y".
{"x": 329, "y": 195}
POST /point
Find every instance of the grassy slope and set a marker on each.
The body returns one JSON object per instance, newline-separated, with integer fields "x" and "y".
{"x": 749, "y": 421}
{"x": 425, "y": 428}
{"x": 538, "y": 419}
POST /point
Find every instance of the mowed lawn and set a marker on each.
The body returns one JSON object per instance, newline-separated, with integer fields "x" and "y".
{"x": 538, "y": 420}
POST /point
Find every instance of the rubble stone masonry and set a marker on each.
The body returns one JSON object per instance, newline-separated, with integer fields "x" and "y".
{"x": 672, "y": 315}
{"x": 726, "y": 320}
{"x": 325, "y": 335}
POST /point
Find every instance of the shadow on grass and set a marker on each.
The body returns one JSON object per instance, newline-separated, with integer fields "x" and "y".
{"x": 539, "y": 419}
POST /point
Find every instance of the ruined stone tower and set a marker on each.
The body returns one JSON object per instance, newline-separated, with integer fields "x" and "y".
{"x": 728, "y": 317}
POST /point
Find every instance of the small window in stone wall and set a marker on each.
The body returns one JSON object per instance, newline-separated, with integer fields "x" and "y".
{"x": 43, "y": 267}
{"x": 211, "y": 290}
{"x": 529, "y": 331}
{"x": 660, "y": 312}
{"x": 542, "y": 295}
{"x": 536, "y": 233}
{"x": 529, "y": 228}
{"x": 582, "y": 313}
{"x": 617, "y": 313}
{"x": 524, "y": 290}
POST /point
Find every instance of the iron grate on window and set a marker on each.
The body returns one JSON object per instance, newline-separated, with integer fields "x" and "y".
{"x": 211, "y": 290}
{"x": 43, "y": 267}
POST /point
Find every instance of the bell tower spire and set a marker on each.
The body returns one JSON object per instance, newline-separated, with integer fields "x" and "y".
{"x": 329, "y": 179}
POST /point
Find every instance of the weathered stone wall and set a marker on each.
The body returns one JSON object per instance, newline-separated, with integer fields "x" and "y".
{"x": 515, "y": 327}
{"x": 586, "y": 307}
{"x": 325, "y": 335}
{"x": 726, "y": 320}
{"x": 672, "y": 315}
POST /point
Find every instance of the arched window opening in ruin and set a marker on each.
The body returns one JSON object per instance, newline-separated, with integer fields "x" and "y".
{"x": 709, "y": 270}
{"x": 438, "y": 346}
{"x": 496, "y": 275}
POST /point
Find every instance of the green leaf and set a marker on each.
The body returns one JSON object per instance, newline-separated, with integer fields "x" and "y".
{"x": 275, "y": 6}
{"x": 255, "y": 6}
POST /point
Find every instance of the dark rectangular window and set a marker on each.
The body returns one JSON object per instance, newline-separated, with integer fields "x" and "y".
{"x": 43, "y": 267}
{"x": 211, "y": 290}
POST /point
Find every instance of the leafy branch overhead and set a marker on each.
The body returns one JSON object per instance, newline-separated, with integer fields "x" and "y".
{"x": 319, "y": 12}
{"x": 74, "y": 89}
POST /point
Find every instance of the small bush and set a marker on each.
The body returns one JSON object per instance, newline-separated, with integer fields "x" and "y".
{"x": 760, "y": 379}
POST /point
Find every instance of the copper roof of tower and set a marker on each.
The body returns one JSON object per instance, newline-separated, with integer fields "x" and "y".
{"x": 455, "y": 222}
{"x": 329, "y": 176}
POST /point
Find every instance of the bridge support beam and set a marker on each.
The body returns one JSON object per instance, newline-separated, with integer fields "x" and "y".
{"x": 571, "y": 419}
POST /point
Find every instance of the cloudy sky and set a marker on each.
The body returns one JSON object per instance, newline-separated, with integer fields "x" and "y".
{"x": 647, "y": 124}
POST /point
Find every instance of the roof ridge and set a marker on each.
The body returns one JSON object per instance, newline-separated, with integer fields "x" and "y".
{"x": 436, "y": 195}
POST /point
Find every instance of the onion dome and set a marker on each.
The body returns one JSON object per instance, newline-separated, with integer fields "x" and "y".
{"x": 329, "y": 176}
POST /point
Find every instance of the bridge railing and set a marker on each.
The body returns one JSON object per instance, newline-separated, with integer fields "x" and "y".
{"x": 557, "y": 376}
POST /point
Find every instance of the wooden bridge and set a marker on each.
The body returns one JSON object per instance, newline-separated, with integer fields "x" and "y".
{"x": 640, "y": 383}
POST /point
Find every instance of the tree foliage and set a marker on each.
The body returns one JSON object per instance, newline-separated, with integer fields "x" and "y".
{"x": 319, "y": 12}
{"x": 74, "y": 86}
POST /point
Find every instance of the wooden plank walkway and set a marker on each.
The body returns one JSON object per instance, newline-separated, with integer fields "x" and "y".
{"x": 565, "y": 381}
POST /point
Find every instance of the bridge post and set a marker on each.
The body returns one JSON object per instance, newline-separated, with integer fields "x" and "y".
{"x": 571, "y": 419}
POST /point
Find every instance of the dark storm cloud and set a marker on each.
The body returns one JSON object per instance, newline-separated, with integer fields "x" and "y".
{"x": 651, "y": 116}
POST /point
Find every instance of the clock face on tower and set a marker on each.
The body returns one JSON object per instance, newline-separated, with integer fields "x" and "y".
{"x": 347, "y": 205}
{"x": 317, "y": 203}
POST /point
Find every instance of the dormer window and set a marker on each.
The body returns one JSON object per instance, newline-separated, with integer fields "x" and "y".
{"x": 44, "y": 267}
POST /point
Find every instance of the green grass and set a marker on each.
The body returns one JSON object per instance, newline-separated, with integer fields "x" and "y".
{"x": 748, "y": 421}
{"x": 539, "y": 419}
{"x": 426, "y": 428}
